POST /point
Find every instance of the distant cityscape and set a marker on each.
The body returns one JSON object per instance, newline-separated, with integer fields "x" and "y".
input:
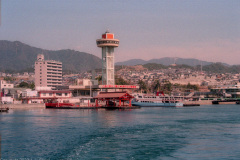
{"x": 48, "y": 81}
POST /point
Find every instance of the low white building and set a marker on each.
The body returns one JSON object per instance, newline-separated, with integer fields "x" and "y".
{"x": 43, "y": 96}
{"x": 5, "y": 84}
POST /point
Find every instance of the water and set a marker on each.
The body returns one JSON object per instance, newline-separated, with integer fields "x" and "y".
{"x": 205, "y": 132}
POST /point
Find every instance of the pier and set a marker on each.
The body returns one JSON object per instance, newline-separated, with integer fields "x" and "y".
{"x": 114, "y": 99}
{"x": 226, "y": 101}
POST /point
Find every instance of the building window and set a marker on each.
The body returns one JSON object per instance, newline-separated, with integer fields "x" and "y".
{"x": 40, "y": 69}
{"x": 59, "y": 94}
{"x": 50, "y": 94}
{"x": 44, "y": 94}
{"x": 66, "y": 94}
{"x": 40, "y": 79}
{"x": 40, "y": 72}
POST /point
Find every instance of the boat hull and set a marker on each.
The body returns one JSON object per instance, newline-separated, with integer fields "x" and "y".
{"x": 71, "y": 107}
{"x": 141, "y": 104}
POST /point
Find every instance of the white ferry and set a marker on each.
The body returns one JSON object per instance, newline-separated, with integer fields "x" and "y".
{"x": 156, "y": 101}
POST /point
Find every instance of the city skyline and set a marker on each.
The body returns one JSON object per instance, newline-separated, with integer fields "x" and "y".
{"x": 205, "y": 30}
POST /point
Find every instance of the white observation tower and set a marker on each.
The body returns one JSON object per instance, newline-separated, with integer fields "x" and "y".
{"x": 107, "y": 43}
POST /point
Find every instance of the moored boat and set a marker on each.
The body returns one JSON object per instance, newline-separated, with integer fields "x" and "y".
{"x": 4, "y": 109}
{"x": 155, "y": 101}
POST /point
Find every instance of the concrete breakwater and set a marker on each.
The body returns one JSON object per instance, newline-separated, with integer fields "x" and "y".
{"x": 24, "y": 106}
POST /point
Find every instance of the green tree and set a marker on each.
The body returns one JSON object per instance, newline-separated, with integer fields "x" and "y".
{"x": 167, "y": 87}
{"x": 120, "y": 81}
{"x": 23, "y": 85}
{"x": 31, "y": 85}
{"x": 190, "y": 86}
{"x": 156, "y": 86}
{"x": 9, "y": 79}
{"x": 99, "y": 78}
{"x": 142, "y": 86}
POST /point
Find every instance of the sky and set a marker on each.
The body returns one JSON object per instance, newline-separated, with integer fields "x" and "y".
{"x": 208, "y": 30}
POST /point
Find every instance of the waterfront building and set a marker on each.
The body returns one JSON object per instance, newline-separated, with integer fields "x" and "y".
{"x": 48, "y": 73}
{"x": 45, "y": 95}
{"x": 232, "y": 91}
{"x": 108, "y": 43}
{"x": 5, "y": 84}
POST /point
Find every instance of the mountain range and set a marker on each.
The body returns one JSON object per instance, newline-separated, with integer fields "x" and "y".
{"x": 17, "y": 56}
{"x": 166, "y": 61}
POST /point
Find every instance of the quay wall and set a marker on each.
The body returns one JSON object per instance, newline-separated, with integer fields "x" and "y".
{"x": 227, "y": 102}
{"x": 204, "y": 102}
{"x": 24, "y": 106}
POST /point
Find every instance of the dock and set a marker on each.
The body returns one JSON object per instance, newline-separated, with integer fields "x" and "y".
{"x": 94, "y": 107}
{"x": 191, "y": 105}
{"x": 73, "y": 107}
{"x": 121, "y": 107}
{"x": 226, "y": 101}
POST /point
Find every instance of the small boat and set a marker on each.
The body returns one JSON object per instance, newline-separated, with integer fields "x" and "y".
{"x": 238, "y": 102}
{"x": 155, "y": 101}
{"x": 4, "y": 109}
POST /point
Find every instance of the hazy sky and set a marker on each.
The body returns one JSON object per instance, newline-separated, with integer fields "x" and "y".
{"x": 203, "y": 29}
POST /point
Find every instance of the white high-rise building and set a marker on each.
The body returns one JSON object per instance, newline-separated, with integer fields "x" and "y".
{"x": 48, "y": 73}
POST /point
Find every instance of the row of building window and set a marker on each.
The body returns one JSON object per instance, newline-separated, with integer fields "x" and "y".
{"x": 40, "y": 63}
{"x": 53, "y": 67}
{"x": 53, "y": 73}
{"x": 53, "y": 83}
{"x": 54, "y": 63}
{"x": 54, "y": 70}
{"x": 102, "y": 42}
{"x": 58, "y": 94}
{"x": 54, "y": 80}
{"x": 54, "y": 76}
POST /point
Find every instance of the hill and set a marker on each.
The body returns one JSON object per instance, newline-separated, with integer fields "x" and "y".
{"x": 165, "y": 61}
{"x": 221, "y": 68}
{"x": 211, "y": 68}
{"x": 18, "y": 57}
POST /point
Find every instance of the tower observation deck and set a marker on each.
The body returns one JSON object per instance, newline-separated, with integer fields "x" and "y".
{"x": 107, "y": 43}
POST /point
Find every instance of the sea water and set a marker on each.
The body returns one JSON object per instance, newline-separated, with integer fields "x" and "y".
{"x": 205, "y": 132}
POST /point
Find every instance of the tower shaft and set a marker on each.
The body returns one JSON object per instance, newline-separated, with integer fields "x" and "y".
{"x": 108, "y": 66}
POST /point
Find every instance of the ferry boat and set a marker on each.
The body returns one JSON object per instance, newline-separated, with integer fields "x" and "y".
{"x": 156, "y": 101}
